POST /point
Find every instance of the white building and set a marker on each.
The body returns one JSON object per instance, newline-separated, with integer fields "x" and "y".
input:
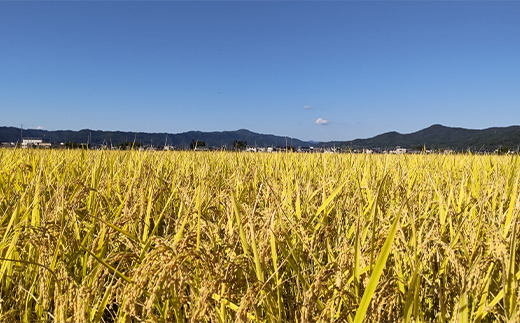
{"x": 35, "y": 142}
{"x": 400, "y": 150}
{"x": 306, "y": 149}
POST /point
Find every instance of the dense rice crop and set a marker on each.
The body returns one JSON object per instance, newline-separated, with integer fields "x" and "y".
{"x": 221, "y": 237}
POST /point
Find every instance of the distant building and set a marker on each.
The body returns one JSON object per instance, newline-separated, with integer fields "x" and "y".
{"x": 400, "y": 150}
{"x": 305, "y": 149}
{"x": 7, "y": 144}
{"x": 35, "y": 142}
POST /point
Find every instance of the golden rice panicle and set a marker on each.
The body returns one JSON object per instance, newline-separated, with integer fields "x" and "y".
{"x": 225, "y": 236}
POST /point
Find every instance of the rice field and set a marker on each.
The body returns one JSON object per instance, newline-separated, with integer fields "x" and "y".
{"x": 128, "y": 236}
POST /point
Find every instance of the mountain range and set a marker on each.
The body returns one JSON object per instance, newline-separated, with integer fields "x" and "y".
{"x": 442, "y": 137}
{"x": 433, "y": 137}
{"x": 97, "y": 137}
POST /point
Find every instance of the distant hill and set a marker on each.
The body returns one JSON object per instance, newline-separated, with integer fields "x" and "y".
{"x": 433, "y": 137}
{"x": 96, "y": 137}
{"x": 441, "y": 137}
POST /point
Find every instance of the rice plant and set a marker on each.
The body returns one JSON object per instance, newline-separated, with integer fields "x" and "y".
{"x": 129, "y": 236}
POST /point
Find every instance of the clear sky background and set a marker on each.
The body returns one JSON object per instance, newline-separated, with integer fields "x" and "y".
{"x": 311, "y": 70}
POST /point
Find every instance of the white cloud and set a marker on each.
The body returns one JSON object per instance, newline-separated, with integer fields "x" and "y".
{"x": 37, "y": 128}
{"x": 322, "y": 122}
{"x": 307, "y": 107}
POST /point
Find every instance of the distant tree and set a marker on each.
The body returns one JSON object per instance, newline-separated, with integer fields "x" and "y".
{"x": 71, "y": 144}
{"x": 420, "y": 148}
{"x": 75, "y": 145}
{"x": 239, "y": 144}
{"x": 285, "y": 148}
{"x": 127, "y": 145}
{"x": 194, "y": 144}
{"x": 503, "y": 150}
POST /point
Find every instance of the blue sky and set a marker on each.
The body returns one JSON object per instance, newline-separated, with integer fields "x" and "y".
{"x": 310, "y": 70}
